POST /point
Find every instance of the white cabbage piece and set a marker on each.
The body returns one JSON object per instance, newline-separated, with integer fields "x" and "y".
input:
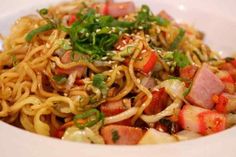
{"x": 174, "y": 87}
{"x": 87, "y": 135}
{"x": 74, "y": 134}
{"x": 187, "y": 135}
{"x": 153, "y": 136}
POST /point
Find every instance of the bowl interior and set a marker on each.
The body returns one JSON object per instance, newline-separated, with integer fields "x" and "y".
{"x": 218, "y": 24}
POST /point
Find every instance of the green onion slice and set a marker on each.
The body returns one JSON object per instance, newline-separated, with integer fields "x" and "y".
{"x": 92, "y": 116}
{"x": 60, "y": 79}
{"x": 43, "y": 11}
{"x": 174, "y": 45}
{"x": 38, "y": 30}
{"x": 161, "y": 21}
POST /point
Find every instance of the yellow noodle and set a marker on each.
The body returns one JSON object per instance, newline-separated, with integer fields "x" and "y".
{"x": 5, "y": 109}
{"x": 26, "y": 122}
{"x": 58, "y": 99}
{"x": 136, "y": 82}
{"x": 29, "y": 55}
{"x": 113, "y": 77}
{"x": 45, "y": 56}
{"x": 33, "y": 77}
{"x": 40, "y": 126}
{"x": 29, "y": 100}
{"x": 122, "y": 116}
{"x": 27, "y": 109}
{"x": 42, "y": 92}
{"x": 128, "y": 86}
{"x": 24, "y": 85}
{"x": 58, "y": 113}
{"x": 73, "y": 64}
{"x": 25, "y": 94}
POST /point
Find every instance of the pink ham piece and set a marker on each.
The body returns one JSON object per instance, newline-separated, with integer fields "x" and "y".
{"x": 121, "y": 135}
{"x": 148, "y": 82}
{"x": 114, "y": 9}
{"x": 66, "y": 58}
{"x": 205, "y": 85}
{"x": 120, "y": 9}
{"x": 165, "y": 15}
{"x": 113, "y": 108}
{"x": 201, "y": 120}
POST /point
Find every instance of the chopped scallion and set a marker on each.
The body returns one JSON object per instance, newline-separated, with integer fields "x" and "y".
{"x": 115, "y": 136}
{"x": 174, "y": 45}
{"x": 38, "y": 30}
{"x": 181, "y": 59}
{"x": 91, "y": 117}
{"x": 99, "y": 82}
{"x": 43, "y": 11}
{"x": 60, "y": 79}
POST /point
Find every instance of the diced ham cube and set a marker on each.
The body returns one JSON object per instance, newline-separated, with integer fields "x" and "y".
{"x": 114, "y": 9}
{"x": 120, "y": 9}
{"x": 66, "y": 58}
{"x": 188, "y": 72}
{"x": 201, "y": 120}
{"x": 113, "y": 108}
{"x": 158, "y": 103}
{"x": 121, "y": 135}
{"x": 205, "y": 85}
{"x": 165, "y": 15}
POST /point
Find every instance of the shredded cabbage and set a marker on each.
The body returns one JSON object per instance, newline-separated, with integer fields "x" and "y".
{"x": 87, "y": 135}
{"x": 174, "y": 87}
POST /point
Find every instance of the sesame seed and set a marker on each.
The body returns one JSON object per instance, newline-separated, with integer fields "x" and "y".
{"x": 122, "y": 48}
{"x": 143, "y": 51}
{"x": 110, "y": 62}
{"x": 118, "y": 47}
{"x": 124, "y": 42}
{"x": 140, "y": 27}
{"x": 118, "y": 73}
{"x": 138, "y": 80}
{"x": 47, "y": 45}
{"x": 104, "y": 58}
{"x": 98, "y": 30}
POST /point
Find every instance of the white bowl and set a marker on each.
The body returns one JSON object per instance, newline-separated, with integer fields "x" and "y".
{"x": 214, "y": 17}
